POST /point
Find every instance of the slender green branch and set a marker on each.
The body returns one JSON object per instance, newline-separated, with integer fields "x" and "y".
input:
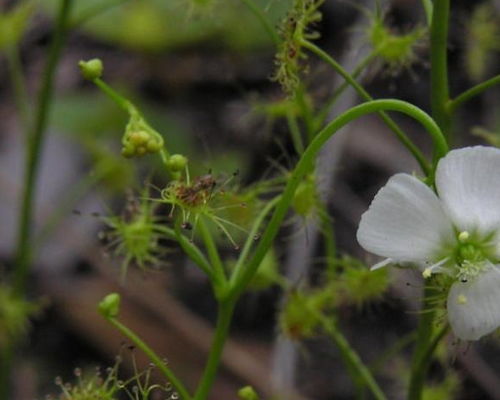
{"x": 35, "y": 141}
{"x": 366, "y": 96}
{"x": 470, "y": 93}
{"x": 262, "y": 17}
{"x": 439, "y": 65}
{"x": 428, "y": 6}
{"x": 115, "y": 96}
{"x": 325, "y": 110}
{"x": 356, "y": 367}
{"x": 212, "y": 251}
{"x": 225, "y": 313}
{"x": 192, "y": 251}
{"x": 17, "y": 78}
{"x": 295, "y": 132}
{"x": 424, "y": 347}
{"x": 307, "y": 160}
{"x": 155, "y": 359}
{"x": 251, "y": 237}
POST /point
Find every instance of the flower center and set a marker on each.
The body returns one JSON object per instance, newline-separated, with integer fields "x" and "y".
{"x": 470, "y": 258}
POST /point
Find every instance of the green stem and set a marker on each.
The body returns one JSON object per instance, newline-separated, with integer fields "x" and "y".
{"x": 307, "y": 160}
{"x": 155, "y": 359}
{"x": 293, "y": 126}
{"x": 35, "y": 141}
{"x": 360, "y": 373}
{"x": 428, "y": 6}
{"x": 439, "y": 65}
{"x": 212, "y": 251}
{"x": 192, "y": 251}
{"x": 18, "y": 86}
{"x": 470, "y": 93}
{"x": 366, "y": 96}
{"x": 251, "y": 238}
{"x": 261, "y": 16}
{"x": 325, "y": 110}
{"x": 424, "y": 346}
{"x": 115, "y": 96}
{"x": 224, "y": 316}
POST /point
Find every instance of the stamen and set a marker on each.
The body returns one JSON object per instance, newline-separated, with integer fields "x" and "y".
{"x": 463, "y": 236}
{"x": 427, "y": 273}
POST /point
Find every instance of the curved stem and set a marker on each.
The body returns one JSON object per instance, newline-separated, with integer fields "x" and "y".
{"x": 35, "y": 141}
{"x": 155, "y": 359}
{"x": 470, "y": 93}
{"x": 225, "y": 313}
{"x": 307, "y": 160}
{"x": 115, "y": 96}
{"x": 360, "y": 373}
{"x": 366, "y": 96}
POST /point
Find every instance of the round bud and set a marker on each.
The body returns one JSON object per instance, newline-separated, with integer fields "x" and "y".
{"x": 91, "y": 69}
{"x": 247, "y": 393}
{"x": 138, "y": 138}
{"x": 177, "y": 162}
{"x": 153, "y": 146}
{"x": 127, "y": 151}
{"x": 109, "y": 307}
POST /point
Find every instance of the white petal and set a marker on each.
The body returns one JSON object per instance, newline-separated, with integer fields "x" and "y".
{"x": 468, "y": 183}
{"x": 474, "y": 307}
{"x": 405, "y": 222}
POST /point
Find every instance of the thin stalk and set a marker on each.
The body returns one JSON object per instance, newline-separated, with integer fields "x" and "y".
{"x": 295, "y": 133}
{"x": 306, "y": 112}
{"x": 155, "y": 359}
{"x": 224, "y": 316}
{"x": 360, "y": 373}
{"x": 424, "y": 336}
{"x": 417, "y": 154}
{"x": 261, "y": 16}
{"x": 19, "y": 88}
{"x": 115, "y": 96}
{"x": 470, "y": 93}
{"x": 307, "y": 160}
{"x": 439, "y": 65}
{"x": 325, "y": 110}
{"x": 251, "y": 237}
{"x": 428, "y": 6}
{"x": 35, "y": 141}
{"x": 212, "y": 251}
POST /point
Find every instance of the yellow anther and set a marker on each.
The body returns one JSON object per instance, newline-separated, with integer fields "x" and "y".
{"x": 461, "y": 299}
{"x": 463, "y": 236}
{"x": 427, "y": 273}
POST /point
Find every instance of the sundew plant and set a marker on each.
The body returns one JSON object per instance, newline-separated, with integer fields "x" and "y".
{"x": 265, "y": 227}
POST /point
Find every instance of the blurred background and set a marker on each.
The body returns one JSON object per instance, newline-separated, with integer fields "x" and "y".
{"x": 201, "y": 73}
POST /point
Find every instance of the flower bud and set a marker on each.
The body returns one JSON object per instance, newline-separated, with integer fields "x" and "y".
{"x": 91, "y": 69}
{"x": 177, "y": 162}
{"x": 109, "y": 307}
{"x": 247, "y": 393}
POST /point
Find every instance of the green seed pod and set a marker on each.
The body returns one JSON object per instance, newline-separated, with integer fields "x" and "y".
{"x": 247, "y": 393}
{"x": 91, "y": 69}
{"x": 177, "y": 162}
{"x": 109, "y": 307}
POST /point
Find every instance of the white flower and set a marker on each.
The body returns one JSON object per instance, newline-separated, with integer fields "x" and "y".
{"x": 456, "y": 234}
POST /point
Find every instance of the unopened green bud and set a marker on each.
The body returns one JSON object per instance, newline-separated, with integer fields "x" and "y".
{"x": 153, "y": 146}
{"x": 91, "y": 69}
{"x": 177, "y": 162}
{"x": 247, "y": 393}
{"x": 138, "y": 138}
{"x": 109, "y": 307}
